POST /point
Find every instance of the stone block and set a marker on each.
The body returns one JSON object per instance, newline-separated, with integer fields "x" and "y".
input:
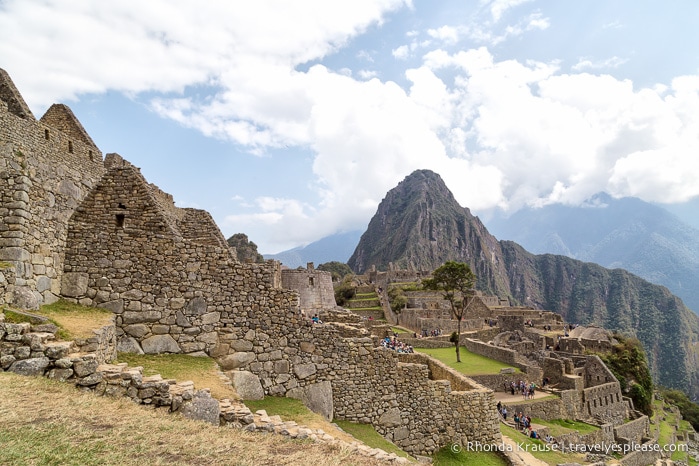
{"x": 317, "y": 397}
{"x": 236, "y": 360}
{"x": 241, "y": 345}
{"x": 247, "y": 385}
{"x": 135, "y": 317}
{"x": 116, "y": 306}
{"x": 390, "y": 418}
{"x": 160, "y": 344}
{"x": 14, "y": 254}
{"x": 137, "y": 331}
{"x": 196, "y": 306}
{"x": 304, "y": 370}
{"x": 129, "y": 345}
{"x": 24, "y": 298}
{"x": 74, "y": 284}
{"x": 202, "y": 408}
{"x": 32, "y": 366}
{"x": 210, "y": 318}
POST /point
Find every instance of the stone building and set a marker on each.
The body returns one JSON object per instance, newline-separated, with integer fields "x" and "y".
{"x": 314, "y": 287}
{"x": 99, "y": 234}
{"x": 47, "y": 167}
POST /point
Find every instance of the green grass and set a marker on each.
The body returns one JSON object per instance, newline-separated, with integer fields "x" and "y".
{"x": 365, "y": 295}
{"x": 287, "y": 408}
{"x": 535, "y": 447}
{"x": 565, "y": 426}
{"x": 375, "y": 308}
{"x": 471, "y": 363}
{"x": 366, "y": 434}
{"x": 17, "y": 318}
{"x": 400, "y": 330}
{"x": 447, "y": 457}
{"x": 75, "y": 320}
{"x": 181, "y": 367}
{"x": 5, "y": 265}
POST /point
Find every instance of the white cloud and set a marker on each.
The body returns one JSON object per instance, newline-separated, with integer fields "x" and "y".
{"x": 447, "y": 34}
{"x": 589, "y": 64}
{"x": 499, "y": 7}
{"x": 401, "y": 53}
{"x": 500, "y": 132}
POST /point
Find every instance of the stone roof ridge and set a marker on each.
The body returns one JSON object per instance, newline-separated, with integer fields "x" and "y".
{"x": 114, "y": 161}
{"x": 11, "y": 96}
{"x": 62, "y": 118}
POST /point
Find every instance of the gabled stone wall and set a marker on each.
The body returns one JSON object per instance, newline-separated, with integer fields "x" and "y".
{"x": 44, "y": 174}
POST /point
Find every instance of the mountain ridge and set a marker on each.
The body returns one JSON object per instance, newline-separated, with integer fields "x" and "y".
{"x": 420, "y": 225}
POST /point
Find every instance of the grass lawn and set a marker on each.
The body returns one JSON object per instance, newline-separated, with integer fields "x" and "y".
{"x": 400, "y": 330}
{"x": 290, "y": 409}
{"x": 59, "y": 425}
{"x": 204, "y": 372}
{"x": 534, "y": 446}
{"x": 471, "y": 363}
{"x": 447, "y": 457}
{"x": 73, "y": 320}
{"x": 366, "y": 433}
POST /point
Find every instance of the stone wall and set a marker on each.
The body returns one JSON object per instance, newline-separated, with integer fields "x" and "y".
{"x": 46, "y": 168}
{"x": 409, "y": 408}
{"x": 633, "y": 432}
{"x": 33, "y": 350}
{"x": 100, "y": 235}
{"x": 314, "y": 287}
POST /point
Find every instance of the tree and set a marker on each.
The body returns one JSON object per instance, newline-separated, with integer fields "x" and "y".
{"x": 338, "y": 270}
{"x": 457, "y": 281}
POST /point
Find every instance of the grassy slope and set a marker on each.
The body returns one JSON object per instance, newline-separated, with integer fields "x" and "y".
{"x": 471, "y": 363}
{"x": 58, "y": 424}
{"x": 204, "y": 372}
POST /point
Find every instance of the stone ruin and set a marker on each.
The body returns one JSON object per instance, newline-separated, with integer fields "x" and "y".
{"x": 584, "y": 388}
{"x": 95, "y": 232}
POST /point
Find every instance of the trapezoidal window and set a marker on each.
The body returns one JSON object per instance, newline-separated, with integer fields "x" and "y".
{"x": 46, "y": 134}
{"x": 70, "y": 146}
{"x": 120, "y": 220}
{"x": 310, "y": 281}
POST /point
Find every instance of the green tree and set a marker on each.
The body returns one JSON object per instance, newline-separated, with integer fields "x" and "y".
{"x": 338, "y": 270}
{"x": 397, "y": 299}
{"x": 457, "y": 281}
{"x": 345, "y": 290}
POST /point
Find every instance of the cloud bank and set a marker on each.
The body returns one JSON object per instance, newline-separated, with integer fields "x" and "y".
{"x": 503, "y": 133}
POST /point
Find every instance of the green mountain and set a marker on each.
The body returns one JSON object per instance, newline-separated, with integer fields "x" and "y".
{"x": 626, "y": 233}
{"x": 419, "y": 224}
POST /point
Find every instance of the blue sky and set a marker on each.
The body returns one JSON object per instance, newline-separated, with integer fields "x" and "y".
{"x": 290, "y": 120}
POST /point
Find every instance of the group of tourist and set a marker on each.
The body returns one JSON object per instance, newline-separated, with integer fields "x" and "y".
{"x": 391, "y": 342}
{"x": 431, "y": 333}
{"x": 527, "y": 389}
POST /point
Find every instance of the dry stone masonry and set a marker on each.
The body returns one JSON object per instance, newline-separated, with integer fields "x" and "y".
{"x": 97, "y": 233}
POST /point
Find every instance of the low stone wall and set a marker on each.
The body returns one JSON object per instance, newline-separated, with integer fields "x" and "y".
{"x": 102, "y": 343}
{"x": 426, "y": 342}
{"x": 33, "y": 350}
{"x": 440, "y": 371}
{"x": 544, "y": 409}
{"x": 494, "y": 352}
{"x": 648, "y": 453}
{"x": 633, "y": 431}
